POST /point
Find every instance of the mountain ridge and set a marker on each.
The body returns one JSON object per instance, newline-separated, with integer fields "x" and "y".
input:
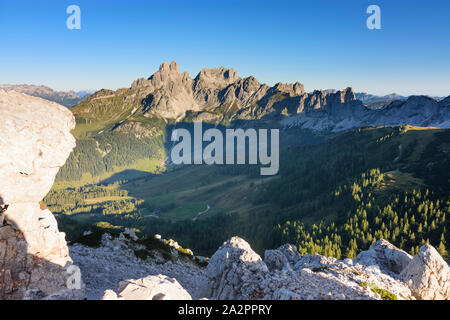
{"x": 65, "y": 98}
{"x": 220, "y": 96}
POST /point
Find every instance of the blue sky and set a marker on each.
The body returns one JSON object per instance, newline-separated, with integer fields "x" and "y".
{"x": 323, "y": 44}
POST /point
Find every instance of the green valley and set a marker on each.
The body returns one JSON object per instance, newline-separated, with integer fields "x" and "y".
{"x": 334, "y": 195}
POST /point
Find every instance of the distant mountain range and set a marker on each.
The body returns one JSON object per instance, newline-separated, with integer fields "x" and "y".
{"x": 220, "y": 96}
{"x": 377, "y": 102}
{"x": 68, "y": 99}
{"x": 368, "y": 98}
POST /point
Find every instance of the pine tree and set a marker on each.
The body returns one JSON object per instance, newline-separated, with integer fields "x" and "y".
{"x": 442, "y": 251}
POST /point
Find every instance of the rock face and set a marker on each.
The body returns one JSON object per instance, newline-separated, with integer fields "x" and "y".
{"x": 35, "y": 143}
{"x": 158, "y": 287}
{"x": 428, "y": 275}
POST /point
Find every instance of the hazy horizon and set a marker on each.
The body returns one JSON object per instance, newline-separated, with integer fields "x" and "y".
{"x": 322, "y": 44}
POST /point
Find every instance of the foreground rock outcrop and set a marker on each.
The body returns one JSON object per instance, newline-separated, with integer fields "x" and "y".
{"x": 114, "y": 270}
{"x": 235, "y": 271}
{"x": 35, "y": 142}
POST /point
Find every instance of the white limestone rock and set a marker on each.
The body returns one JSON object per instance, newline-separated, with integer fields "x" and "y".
{"x": 428, "y": 275}
{"x": 235, "y": 271}
{"x": 158, "y": 287}
{"x": 35, "y": 143}
{"x": 315, "y": 262}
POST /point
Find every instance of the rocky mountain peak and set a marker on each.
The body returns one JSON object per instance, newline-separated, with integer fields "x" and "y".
{"x": 299, "y": 88}
{"x": 422, "y": 106}
{"x": 217, "y": 77}
{"x": 347, "y": 95}
{"x": 167, "y": 72}
{"x": 419, "y": 99}
{"x": 167, "y": 67}
{"x": 292, "y": 88}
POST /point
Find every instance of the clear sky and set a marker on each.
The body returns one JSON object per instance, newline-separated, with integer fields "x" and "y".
{"x": 323, "y": 44}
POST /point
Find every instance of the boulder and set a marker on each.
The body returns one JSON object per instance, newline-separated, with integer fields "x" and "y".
{"x": 428, "y": 275}
{"x": 158, "y": 287}
{"x": 385, "y": 255}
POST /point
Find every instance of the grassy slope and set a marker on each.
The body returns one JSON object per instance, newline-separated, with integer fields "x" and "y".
{"x": 182, "y": 193}
{"x": 192, "y": 188}
{"x": 97, "y": 136}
